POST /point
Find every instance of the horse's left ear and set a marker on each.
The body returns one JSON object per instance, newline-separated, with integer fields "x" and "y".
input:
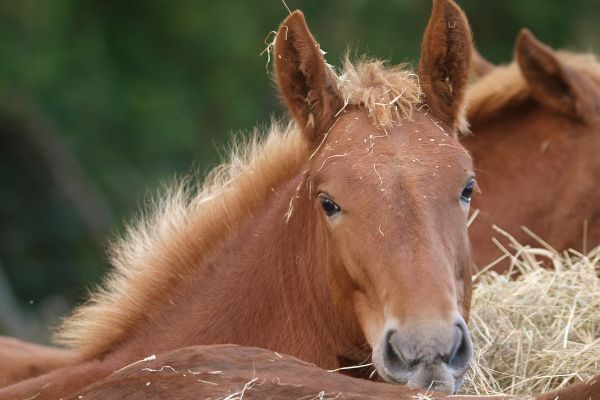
{"x": 445, "y": 61}
{"x": 306, "y": 82}
{"x": 552, "y": 82}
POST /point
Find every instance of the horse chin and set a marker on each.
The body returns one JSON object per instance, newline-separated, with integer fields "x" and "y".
{"x": 450, "y": 384}
{"x": 445, "y": 386}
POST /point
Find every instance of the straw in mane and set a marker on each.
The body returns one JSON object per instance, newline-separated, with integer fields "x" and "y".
{"x": 181, "y": 229}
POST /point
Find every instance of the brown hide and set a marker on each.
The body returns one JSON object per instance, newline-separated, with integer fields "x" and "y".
{"x": 227, "y": 370}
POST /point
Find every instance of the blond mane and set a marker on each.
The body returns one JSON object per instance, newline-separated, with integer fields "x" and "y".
{"x": 180, "y": 229}
{"x": 388, "y": 93}
{"x": 506, "y": 86}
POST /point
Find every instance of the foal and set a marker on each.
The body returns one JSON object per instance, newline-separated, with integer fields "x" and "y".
{"x": 342, "y": 237}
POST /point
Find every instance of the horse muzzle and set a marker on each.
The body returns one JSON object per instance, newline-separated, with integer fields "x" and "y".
{"x": 431, "y": 355}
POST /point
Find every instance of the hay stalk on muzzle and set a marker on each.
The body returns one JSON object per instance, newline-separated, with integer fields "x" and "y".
{"x": 538, "y": 329}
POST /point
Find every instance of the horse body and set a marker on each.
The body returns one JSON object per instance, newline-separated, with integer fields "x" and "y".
{"x": 227, "y": 370}
{"x": 535, "y": 143}
{"x": 221, "y": 371}
{"x": 342, "y": 237}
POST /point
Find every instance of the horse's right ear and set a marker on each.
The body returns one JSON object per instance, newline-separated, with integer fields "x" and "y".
{"x": 552, "y": 82}
{"x": 307, "y": 84}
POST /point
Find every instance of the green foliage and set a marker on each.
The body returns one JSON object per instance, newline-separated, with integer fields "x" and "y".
{"x": 139, "y": 91}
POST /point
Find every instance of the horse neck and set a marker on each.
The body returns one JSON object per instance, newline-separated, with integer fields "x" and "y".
{"x": 266, "y": 286}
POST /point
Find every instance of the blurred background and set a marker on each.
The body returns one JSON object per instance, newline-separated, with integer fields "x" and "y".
{"x": 103, "y": 101}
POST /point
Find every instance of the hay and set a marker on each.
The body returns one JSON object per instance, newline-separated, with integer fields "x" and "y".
{"x": 539, "y": 331}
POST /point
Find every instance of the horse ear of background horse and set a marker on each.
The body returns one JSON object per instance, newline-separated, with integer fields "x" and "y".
{"x": 552, "y": 82}
{"x": 445, "y": 62}
{"x": 307, "y": 84}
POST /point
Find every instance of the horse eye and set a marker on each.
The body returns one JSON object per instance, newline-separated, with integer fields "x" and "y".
{"x": 467, "y": 192}
{"x": 329, "y": 205}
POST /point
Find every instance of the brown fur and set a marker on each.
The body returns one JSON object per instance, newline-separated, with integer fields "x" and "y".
{"x": 253, "y": 260}
{"x": 220, "y": 371}
{"x": 535, "y": 143}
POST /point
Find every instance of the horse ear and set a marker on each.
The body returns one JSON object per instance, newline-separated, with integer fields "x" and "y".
{"x": 444, "y": 64}
{"x": 551, "y": 81}
{"x": 480, "y": 67}
{"x": 307, "y": 84}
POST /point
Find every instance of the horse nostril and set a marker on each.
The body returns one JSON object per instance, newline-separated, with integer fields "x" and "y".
{"x": 394, "y": 358}
{"x": 461, "y": 354}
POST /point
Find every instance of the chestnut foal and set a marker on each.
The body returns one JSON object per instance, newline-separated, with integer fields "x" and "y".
{"x": 339, "y": 238}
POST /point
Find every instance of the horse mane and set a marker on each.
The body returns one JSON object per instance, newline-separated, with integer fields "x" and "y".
{"x": 388, "y": 93}
{"x": 505, "y": 85}
{"x": 180, "y": 229}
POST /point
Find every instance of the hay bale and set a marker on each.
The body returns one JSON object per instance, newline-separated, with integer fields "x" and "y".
{"x": 539, "y": 331}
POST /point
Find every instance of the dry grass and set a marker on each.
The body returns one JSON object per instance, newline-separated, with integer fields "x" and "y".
{"x": 541, "y": 330}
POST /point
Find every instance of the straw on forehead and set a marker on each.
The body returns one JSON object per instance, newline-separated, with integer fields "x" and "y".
{"x": 388, "y": 93}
